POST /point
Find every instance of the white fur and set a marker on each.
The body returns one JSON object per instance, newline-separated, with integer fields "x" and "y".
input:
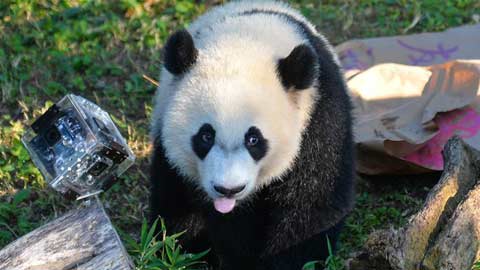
{"x": 229, "y": 169}
{"x": 234, "y": 85}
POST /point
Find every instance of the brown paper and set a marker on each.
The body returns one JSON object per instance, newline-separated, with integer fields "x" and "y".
{"x": 405, "y": 119}
{"x": 410, "y": 96}
{"x": 418, "y": 50}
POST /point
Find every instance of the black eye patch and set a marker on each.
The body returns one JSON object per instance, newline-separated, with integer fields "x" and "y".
{"x": 203, "y": 141}
{"x": 255, "y": 143}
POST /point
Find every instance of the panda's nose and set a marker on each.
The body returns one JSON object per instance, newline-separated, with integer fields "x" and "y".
{"x": 228, "y": 192}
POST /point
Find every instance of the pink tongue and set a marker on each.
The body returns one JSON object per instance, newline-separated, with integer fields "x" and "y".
{"x": 224, "y": 205}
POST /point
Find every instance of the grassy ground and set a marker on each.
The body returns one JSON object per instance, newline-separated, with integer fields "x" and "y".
{"x": 101, "y": 49}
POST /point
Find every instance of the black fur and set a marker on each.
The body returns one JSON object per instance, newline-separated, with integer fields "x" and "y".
{"x": 285, "y": 224}
{"x": 179, "y": 52}
{"x": 201, "y": 147}
{"x": 299, "y": 68}
{"x": 259, "y": 150}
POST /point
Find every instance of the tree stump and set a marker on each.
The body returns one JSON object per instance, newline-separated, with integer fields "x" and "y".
{"x": 445, "y": 233}
{"x": 82, "y": 239}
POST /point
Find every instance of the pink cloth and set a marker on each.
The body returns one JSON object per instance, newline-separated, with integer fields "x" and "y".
{"x": 463, "y": 122}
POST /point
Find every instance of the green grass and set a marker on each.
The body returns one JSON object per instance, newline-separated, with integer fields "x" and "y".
{"x": 152, "y": 253}
{"x": 332, "y": 262}
{"x": 101, "y": 49}
{"x": 347, "y": 19}
{"x": 376, "y": 211}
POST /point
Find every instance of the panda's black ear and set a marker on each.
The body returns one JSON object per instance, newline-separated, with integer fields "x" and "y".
{"x": 299, "y": 69}
{"x": 179, "y": 53}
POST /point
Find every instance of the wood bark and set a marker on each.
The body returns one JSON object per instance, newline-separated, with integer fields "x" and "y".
{"x": 445, "y": 233}
{"x": 82, "y": 239}
{"x": 457, "y": 247}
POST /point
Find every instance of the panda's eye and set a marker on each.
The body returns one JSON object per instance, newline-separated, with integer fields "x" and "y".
{"x": 203, "y": 140}
{"x": 255, "y": 143}
{"x": 251, "y": 140}
{"x": 207, "y": 137}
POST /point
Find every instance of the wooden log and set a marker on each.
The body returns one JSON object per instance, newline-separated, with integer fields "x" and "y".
{"x": 458, "y": 246}
{"x": 82, "y": 239}
{"x": 459, "y": 176}
{"x": 426, "y": 233}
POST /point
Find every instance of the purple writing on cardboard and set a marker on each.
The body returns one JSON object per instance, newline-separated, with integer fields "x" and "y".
{"x": 427, "y": 56}
{"x": 351, "y": 59}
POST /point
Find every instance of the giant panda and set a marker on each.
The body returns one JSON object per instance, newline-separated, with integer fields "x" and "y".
{"x": 252, "y": 138}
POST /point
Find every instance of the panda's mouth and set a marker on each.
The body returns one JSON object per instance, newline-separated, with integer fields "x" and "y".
{"x": 225, "y": 197}
{"x": 224, "y": 205}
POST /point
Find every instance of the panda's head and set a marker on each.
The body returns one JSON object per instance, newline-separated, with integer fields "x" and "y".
{"x": 232, "y": 113}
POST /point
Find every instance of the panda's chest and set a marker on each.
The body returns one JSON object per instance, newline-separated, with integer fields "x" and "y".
{"x": 246, "y": 227}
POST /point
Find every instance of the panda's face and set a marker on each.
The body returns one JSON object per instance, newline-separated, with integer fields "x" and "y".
{"x": 229, "y": 124}
{"x": 228, "y": 170}
{"x": 230, "y": 136}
